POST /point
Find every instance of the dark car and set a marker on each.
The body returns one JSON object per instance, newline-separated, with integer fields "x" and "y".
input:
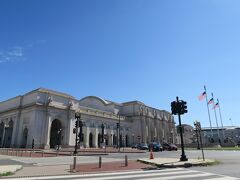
{"x": 142, "y": 146}
{"x": 135, "y": 146}
{"x": 155, "y": 147}
{"x": 169, "y": 147}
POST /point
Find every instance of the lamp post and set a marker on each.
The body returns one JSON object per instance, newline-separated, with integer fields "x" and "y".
{"x": 197, "y": 124}
{"x": 77, "y": 117}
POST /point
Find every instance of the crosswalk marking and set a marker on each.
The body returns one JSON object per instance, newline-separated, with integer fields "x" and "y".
{"x": 164, "y": 174}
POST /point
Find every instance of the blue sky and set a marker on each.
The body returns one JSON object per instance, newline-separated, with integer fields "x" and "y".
{"x": 146, "y": 50}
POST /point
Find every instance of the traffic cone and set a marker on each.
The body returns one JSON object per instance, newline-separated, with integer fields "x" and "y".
{"x": 151, "y": 154}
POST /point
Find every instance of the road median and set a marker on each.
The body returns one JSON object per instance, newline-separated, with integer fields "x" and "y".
{"x": 173, "y": 162}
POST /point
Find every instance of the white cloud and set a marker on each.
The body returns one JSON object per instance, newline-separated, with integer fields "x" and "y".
{"x": 18, "y": 53}
{"x": 12, "y": 54}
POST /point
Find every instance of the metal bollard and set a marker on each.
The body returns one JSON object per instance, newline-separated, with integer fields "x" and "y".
{"x": 74, "y": 163}
{"x": 100, "y": 162}
{"x": 126, "y": 160}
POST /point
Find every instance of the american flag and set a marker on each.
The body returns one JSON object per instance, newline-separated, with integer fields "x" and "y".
{"x": 210, "y": 101}
{"x": 216, "y": 105}
{"x": 202, "y": 96}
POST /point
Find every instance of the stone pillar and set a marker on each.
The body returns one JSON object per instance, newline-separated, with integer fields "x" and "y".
{"x": 144, "y": 136}
{"x": 95, "y": 139}
{"x": 110, "y": 141}
{"x": 46, "y": 135}
{"x": 86, "y": 138}
{"x": 68, "y": 130}
{"x": 15, "y": 134}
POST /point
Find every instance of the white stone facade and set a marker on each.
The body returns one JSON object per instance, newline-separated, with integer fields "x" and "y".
{"x": 40, "y": 113}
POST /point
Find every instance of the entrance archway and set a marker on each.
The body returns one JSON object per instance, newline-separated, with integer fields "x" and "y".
{"x": 1, "y": 133}
{"x": 106, "y": 140}
{"x": 55, "y": 135}
{"x": 90, "y": 140}
{"x": 99, "y": 140}
{"x": 24, "y": 138}
{"x": 7, "y": 138}
{"x": 126, "y": 141}
{"x": 121, "y": 142}
{"x": 114, "y": 140}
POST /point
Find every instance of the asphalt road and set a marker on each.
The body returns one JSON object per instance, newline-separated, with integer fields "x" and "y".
{"x": 229, "y": 160}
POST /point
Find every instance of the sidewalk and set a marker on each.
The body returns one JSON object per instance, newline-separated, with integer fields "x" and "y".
{"x": 83, "y": 168}
{"x": 174, "y": 162}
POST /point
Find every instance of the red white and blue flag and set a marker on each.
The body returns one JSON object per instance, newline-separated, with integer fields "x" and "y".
{"x": 216, "y": 105}
{"x": 202, "y": 96}
{"x": 210, "y": 101}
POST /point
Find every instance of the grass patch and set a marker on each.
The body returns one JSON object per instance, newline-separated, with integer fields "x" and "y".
{"x": 6, "y": 174}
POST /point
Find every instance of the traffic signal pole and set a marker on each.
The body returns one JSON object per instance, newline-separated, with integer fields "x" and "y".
{"x": 178, "y": 108}
{"x": 183, "y": 156}
{"x": 78, "y": 117}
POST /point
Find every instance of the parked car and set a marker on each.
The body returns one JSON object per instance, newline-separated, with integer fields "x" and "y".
{"x": 155, "y": 146}
{"x": 142, "y": 146}
{"x": 134, "y": 146}
{"x": 169, "y": 147}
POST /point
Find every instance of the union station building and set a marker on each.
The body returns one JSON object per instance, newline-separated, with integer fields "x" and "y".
{"x": 46, "y": 116}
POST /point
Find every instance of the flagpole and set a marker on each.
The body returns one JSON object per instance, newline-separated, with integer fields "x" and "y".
{"x": 221, "y": 119}
{"x": 209, "y": 117}
{"x": 216, "y": 118}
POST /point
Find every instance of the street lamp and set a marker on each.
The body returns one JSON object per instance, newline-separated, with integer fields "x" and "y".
{"x": 77, "y": 123}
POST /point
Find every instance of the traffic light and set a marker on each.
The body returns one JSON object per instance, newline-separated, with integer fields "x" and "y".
{"x": 77, "y": 124}
{"x": 174, "y": 107}
{"x": 117, "y": 125}
{"x": 183, "y": 108}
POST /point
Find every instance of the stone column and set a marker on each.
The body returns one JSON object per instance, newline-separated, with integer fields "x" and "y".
{"x": 110, "y": 138}
{"x": 86, "y": 138}
{"x": 144, "y": 137}
{"x": 47, "y": 132}
{"x": 15, "y": 133}
{"x": 95, "y": 139}
{"x": 68, "y": 130}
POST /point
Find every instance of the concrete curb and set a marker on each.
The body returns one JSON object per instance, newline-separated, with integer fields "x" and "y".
{"x": 174, "y": 163}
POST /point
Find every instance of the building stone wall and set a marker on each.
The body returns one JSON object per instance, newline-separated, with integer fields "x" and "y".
{"x": 48, "y": 117}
